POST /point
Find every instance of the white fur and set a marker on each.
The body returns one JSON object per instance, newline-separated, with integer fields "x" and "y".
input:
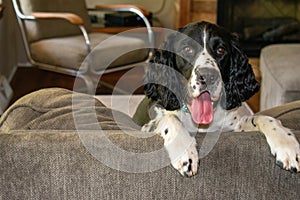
{"x": 180, "y": 145}
{"x": 204, "y": 60}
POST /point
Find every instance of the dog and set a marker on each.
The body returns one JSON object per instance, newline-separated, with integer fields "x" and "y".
{"x": 198, "y": 77}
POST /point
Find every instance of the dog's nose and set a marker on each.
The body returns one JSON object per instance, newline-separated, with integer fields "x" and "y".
{"x": 207, "y": 75}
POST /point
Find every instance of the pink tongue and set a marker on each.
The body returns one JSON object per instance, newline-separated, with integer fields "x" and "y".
{"x": 202, "y": 109}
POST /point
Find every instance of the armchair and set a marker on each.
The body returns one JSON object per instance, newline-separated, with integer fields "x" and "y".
{"x": 58, "y": 37}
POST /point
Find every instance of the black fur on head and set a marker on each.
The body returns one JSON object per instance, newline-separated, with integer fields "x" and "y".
{"x": 166, "y": 82}
{"x": 163, "y": 81}
{"x": 238, "y": 77}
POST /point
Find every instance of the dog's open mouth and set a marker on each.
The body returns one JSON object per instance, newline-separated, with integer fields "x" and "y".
{"x": 201, "y": 108}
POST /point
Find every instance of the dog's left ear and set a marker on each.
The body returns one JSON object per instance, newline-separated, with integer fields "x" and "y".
{"x": 241, "y": 83}
{"x": 162, "y": 82}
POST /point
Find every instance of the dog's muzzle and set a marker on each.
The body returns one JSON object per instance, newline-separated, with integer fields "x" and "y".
{"x": 207, "y": 79}
{"x": 205, "y": 89}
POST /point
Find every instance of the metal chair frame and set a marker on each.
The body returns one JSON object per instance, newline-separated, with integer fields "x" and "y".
{"x": 86, "y": 74}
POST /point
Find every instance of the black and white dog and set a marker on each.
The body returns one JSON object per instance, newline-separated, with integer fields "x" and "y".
{"x": 197, "y": 78}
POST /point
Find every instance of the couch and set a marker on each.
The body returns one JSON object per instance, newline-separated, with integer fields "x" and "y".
{"x": 56, "y": 144}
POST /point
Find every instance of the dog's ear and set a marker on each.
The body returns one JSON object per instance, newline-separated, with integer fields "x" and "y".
{"x": 162, "y": 80}
{"x": 240, "y": 83}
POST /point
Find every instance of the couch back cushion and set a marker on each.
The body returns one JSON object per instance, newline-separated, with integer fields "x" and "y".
{"x": 62, "y": 109}
{"x": 48, "y": 28}
{"x": 288, "y": 114}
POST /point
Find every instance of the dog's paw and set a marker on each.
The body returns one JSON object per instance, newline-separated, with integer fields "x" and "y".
{"x": 180, "y": 145}
{"x": 283, "y": 143}
{"x": 286, "y": 150}
{"x": 187, "y": 163}
{"x": 287, "y": 155}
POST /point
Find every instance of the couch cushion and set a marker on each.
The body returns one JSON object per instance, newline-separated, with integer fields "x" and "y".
{"x": 280, "y": 69}
{"x": 289, "y": 114}
{"x": 70, "y": 52}
{"x": 44, "y": 164}
{"x": 61, "y": 109}
{"x": 51, "y": 164}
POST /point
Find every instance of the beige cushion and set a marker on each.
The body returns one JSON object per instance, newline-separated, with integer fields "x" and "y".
{"x": 46, "y": 28}
{"x": 280, "y": 69}
{"x": 70, "y": 52}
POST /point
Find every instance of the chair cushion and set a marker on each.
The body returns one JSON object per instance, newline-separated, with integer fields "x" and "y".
{"x": 280, "y": 69}
{"x": 41, "y": 29}
{"x": 70, "y": 52}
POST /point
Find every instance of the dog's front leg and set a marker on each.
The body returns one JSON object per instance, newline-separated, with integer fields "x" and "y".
{"x": 180, "y": 145}
{"x": 283, "y": 143}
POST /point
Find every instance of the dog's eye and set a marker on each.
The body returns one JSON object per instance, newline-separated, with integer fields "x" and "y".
{"x": 220, "y": 51}
{"x": 188, "y": 50}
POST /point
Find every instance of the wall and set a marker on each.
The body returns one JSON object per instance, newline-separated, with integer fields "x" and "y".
{"x": 165, "y": 16}
{"x": 8, "y": 46}
{"x": 204, "y": 10}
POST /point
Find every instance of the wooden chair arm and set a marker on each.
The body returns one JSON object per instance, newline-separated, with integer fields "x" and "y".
{"x": 122, "y": 8}
{"x": 71, "y": 17}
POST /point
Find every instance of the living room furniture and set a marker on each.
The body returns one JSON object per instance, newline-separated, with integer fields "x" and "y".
{"x": 58, "y": 36}
{"x": 280, "y": 69}
{"x": 45, "y": 141}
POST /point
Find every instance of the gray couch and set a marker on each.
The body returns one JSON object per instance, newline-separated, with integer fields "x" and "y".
{"x": 48, "y": 138}
{"x": 280, "y": 69}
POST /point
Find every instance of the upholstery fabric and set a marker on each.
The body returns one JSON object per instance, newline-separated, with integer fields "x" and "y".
{"x": 43, "y": 29}
{"x": 289, "y": 114}
{"x": 70, "y": 52}
{"x": 61, "y": 109}
{"x": 280, "y": 69}
{"x": 44, "y": 157}
{"x": 49, "y": 164}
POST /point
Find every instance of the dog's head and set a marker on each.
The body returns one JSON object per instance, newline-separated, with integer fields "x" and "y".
{"x": 198, "y": 66}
